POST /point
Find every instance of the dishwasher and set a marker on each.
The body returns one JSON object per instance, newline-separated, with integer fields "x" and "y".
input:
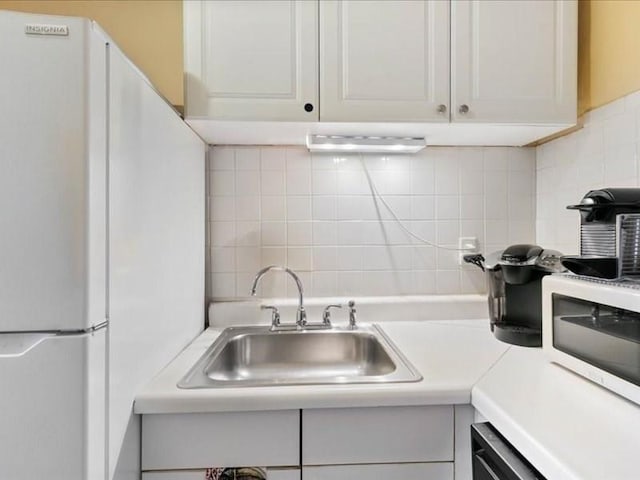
{"x": 494, "y": 458}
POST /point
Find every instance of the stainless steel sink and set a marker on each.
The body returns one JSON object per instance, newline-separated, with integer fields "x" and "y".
{"x": 255, "y": 356}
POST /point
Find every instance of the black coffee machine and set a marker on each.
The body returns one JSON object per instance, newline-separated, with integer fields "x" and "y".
{"x": 515, "y": 290}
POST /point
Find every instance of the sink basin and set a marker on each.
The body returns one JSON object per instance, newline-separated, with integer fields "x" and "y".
{"x": 255, "y": 356}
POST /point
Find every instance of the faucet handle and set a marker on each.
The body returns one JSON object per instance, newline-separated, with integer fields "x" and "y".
{"x": 326, "y": 313}
{"x": 275, "y": 315}
{"x": 352, "y": 314}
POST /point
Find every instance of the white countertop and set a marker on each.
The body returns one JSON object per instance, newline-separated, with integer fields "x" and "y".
{"x": 451, "y": 355}
{"x": 566, "y": 426}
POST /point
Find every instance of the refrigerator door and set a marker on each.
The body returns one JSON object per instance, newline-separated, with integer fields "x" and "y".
{"x": 46, "y": 197}
{"x": 157, "y": 247}
{"x": 52, "y": 406}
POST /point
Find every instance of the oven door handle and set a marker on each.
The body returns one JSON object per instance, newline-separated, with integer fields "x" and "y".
{"x": 485, "y": 467}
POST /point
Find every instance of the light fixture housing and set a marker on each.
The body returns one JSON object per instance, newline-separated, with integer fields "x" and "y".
{"x": 364, "y": 144}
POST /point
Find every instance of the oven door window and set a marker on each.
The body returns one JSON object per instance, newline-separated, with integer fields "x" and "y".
{"x": 604, "y": 336}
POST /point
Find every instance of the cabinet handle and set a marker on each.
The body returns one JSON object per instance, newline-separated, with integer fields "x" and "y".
{"x": 442, "y": 108}
{"x": 464, "y": 109}
{"x": 308, "y": 107}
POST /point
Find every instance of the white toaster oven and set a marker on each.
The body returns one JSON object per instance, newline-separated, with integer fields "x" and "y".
{"x": 593, "y": 328}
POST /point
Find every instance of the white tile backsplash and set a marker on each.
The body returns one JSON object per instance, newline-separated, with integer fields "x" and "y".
{"x": 604, "y": 153}
{"x": 317, "y": 215}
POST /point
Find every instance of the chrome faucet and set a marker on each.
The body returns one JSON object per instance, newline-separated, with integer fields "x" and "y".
{"x": 301, "y": 314}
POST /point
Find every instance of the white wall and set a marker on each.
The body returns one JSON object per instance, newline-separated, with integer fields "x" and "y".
{"x": 316, "y": 214}
{"x": 602, "y": 154}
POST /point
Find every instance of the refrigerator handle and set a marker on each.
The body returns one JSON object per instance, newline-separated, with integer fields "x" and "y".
{"x": 18, "y": 344}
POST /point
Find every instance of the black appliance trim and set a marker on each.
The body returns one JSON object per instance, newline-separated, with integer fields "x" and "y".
{"x": 494, "y": 458}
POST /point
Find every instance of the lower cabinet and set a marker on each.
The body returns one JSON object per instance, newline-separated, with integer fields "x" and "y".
{"x": 272, "y": 474}
{"x": 403, "y": 471}
{"x": 373, "y": 443}
{"x": 334, "y": 436}
{"x": 206, "y": 440}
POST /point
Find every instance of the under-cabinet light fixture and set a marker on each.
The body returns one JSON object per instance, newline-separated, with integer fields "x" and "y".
{"x": 362, "y": 144}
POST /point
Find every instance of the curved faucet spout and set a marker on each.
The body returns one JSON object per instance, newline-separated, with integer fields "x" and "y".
{"x": 301, "y": 317}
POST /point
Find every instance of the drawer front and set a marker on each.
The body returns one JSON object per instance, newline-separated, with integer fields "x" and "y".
{"x": 377, "y": 435}
{"x": 202, "y": 440}
{"x": 272, "y": 474}
{"x": 403, "y": 471}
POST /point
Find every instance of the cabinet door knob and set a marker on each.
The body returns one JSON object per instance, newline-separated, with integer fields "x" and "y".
{"x": 308, "y": 107}
{"x": 464, "y": 108}
{"x": 442, "y": 108}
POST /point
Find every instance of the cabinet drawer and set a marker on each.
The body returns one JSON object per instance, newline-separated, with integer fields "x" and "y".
{"x": 404, "y": 471}
{"x": 377, "y": 435}
{"x": 203, "y": 440}
{"x": 272, "y": 474}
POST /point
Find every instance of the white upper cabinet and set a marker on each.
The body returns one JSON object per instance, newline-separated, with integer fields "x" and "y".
{"x": 458, "y": 72}
{"x": 384, "y": 60}
{"x": 252, "y": 59}
{"x": 514, "y": 61}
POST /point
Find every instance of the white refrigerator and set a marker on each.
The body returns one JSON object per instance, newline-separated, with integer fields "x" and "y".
{"x": 102, "y": 194}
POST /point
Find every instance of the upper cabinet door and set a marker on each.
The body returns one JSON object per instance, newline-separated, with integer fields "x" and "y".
{"x": 514, "y": 61}
{"x": 384, "y": 60}
{"x": 252, "y": 59}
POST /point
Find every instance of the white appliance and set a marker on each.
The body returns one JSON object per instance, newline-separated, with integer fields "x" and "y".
{"x": 101, "y": 248}
{"x": 592, "y": 327}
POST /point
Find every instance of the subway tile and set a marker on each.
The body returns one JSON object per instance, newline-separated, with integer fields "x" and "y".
{"x": 352, "y": 182}
{"x": 351, "y": 283}
{"x": 247, "y": 234}
{"x": 247, "y": 182}
{"x": 447, "y": 281}
{"x": 222, "y": 234}
{"x": 298, "y": 207}
{"x": 423, "y": 181}
{"x": 222, "y": 208}
{"x": 325, "y": 284}
{"x": 222, "y": 158}
{"x": 244, "y": 280}
{"x": 324, "y": 182}
{"x": 298, "y": 182}
{"x": 299, "y": 233}
{"x": 423, "y": 207}
{"x": 299, "y": 258}
{"x": 325, "y": 233}
{"x": 324, "y": 207}
{"x": 272, "y": 158}
{"x": 222, "y": 182}
{"x": 248, "y": 259}
{"x": 272, "y": 182}
{"x": 272, "y": 207}
{"x": 223, "y": 285}
{"x": 472, "y": 207}
{"x": 223, "y": 259}
{"x": 324, "y": 161}
{"x": 298, "y": 158}
{"x": 447, "y": 207}
{"x": 274, "y": 234}
{"x": 247, "y": 207}
{"x": 325, "y": 258}
{"x": 349, "y": 257}
{"x": 317, "y": 214}
{"x": 247, "y": 158}
{"x": 349, "y": 207}
{"x": 349, "y": 233}
{"x": 273, "y": 256}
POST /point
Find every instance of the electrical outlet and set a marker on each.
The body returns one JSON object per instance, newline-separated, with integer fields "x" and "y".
{"x": 466, "y": 245}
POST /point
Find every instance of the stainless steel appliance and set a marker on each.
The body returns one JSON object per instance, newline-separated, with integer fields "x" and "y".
{"x": 494, "y": 458}
{"x": 593, "y": 328}
{"x": 514, "y": 276}
{"x": 609, "y": 234}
